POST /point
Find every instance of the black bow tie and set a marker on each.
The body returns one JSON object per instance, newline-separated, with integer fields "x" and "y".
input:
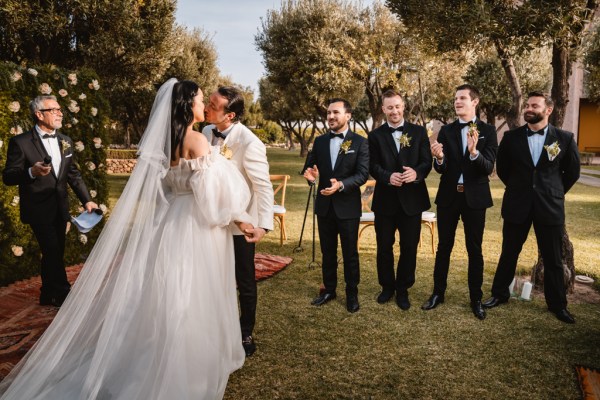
{"x": 218, "y": 134}
{"x": 48, "y": 136}
{"x": 338, "y": 135}
{"x": 531, "y": 133}
{"x": 392, "y": 130}
{"x": 463, "y": 124}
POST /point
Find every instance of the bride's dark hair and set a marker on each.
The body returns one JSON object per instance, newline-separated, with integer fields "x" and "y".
{"x": 182, "y": 115}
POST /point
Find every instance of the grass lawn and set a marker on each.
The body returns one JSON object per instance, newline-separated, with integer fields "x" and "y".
{"x": 519, "y": 351}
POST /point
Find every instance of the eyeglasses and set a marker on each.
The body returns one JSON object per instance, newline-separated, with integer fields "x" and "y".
{"x": 53, "y": 111}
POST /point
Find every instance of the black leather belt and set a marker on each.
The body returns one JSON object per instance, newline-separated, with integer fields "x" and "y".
{"x": 460, "y": 188}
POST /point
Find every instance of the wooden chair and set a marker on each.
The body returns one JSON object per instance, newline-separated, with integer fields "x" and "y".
{"x": 367, "y": 218}
{"x": 429, "y": 219}
{"x": 279, "y": 184}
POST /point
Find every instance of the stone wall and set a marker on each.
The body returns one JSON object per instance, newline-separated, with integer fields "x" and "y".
{"x": 116, "y": 166}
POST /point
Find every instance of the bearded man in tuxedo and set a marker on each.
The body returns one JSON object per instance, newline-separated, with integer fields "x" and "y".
{"x": 400, "y": 160}
{"x": 538, "y": 163}
{"x": 44, "y": 201}
{"x": 340, "y": 160}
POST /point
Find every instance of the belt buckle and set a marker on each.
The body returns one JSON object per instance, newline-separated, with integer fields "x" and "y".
{"x": 460, "y": 188}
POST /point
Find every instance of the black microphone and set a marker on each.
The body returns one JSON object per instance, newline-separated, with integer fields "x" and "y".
{"x": 97, "y": 211}
{"x": 47, "y": 161}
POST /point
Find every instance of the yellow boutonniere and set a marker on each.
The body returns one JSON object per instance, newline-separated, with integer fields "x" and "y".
{"x": 404, "y": 140}
{"x": 472, "y": 129}
{"x": 553, "y": 150}
{"x": 345, "y": 146}
{"x": 226, "y": 152}
{"x": 65, "y": 145}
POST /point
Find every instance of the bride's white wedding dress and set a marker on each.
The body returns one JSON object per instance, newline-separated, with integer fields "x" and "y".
{"x": 178, "y": 335}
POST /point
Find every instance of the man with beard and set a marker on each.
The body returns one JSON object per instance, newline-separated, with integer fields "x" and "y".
{"x": 341, "y": 159}
{"x": 400, "y": 160}
{"x": 538, "y": 163}
{"x": 464, "y": 152}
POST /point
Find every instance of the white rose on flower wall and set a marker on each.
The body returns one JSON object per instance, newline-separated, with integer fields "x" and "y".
{"x": 45, "y": 88}
{"x": 73, "y": 107}
{"x": 32, "y": 71}
{"x": 16, "y": 130}
{"x": 72, "y": 79}
{"x": 97, "y": 142}
{"x": 63, "y": 93}
{"x": 1, "y": 143}
{"x": 93, "y": 193}
{"x": 14, "y": 106}
{"x": 82, "y": 96}
{"x": 74, "y": 121}
{"x": 79, "y": 146}
{"x": 15, "y": 201}
{"x": 83, "y": 238}
{"x": 94, "y": 84}
{"x": 17, "y": 250}
{"x": 90, "y": 165}
{"x": 103, "y": 208}
{"x": 16, "y": 76}
{"x": 94, "y": 111}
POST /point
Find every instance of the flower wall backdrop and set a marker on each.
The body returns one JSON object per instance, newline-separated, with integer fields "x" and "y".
{"x": 85, "y": 120}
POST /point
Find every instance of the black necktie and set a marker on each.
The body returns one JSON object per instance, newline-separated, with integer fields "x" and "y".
{"x": 218, "y": 134}
{"x": 531, "y": 133}
{"x": 400, "y": 129}
{"x": 338, "y": 135}
{"x": 48, "y": 136}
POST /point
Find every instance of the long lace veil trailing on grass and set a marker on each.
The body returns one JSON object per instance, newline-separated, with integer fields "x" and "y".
{"x": 111, "y": 279}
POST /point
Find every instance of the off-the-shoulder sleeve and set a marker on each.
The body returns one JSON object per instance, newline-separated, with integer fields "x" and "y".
{"x": 220, "y": 190}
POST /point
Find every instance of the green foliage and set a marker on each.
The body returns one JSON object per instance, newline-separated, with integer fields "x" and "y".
{"x": 85, "y": 119}
{"x": 592, "y": 63}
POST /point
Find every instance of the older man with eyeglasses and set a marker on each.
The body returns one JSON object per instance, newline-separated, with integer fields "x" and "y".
{"x": 40, "y": 162}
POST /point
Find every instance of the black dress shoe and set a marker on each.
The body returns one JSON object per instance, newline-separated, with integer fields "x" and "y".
{"x": 434, "y": 301}
{"x": 249, "y": 345}
{"x": 478, "y": 310}
{"x": 352, "y": 304}
{"x": 51, "y": 301}
{"x": 385, "y": 296}
{"x": 493, "y": 302}
{"x": 323, "y": 298}
{"x": 564, "y": 315}
{"x": 403, "y": 302}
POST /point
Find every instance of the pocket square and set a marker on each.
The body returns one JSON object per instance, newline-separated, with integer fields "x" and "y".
{"x": 481, "y": 137}
{"x": 69, "y": 155}
{"x": 350, "y": 151}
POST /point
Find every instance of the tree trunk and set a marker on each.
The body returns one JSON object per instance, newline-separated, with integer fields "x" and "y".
{"x": 561, "y": 70}
{"x": 513, "y": 117}
{"x": 568, "y": 263}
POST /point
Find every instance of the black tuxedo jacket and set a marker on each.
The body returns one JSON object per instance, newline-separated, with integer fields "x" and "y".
{"x": 45, "y": 196}
{"x": 384, "y": 159}
{"x": 351, "y": 168}
{"x": 536, "y": 189}
{"x": 456, "y": 162}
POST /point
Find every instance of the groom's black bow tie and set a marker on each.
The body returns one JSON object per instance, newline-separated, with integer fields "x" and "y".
{"x": 338, "y": 135}
{"x": 48, "y": 136}
{"x": 218, "y": 134}
{"x": 531, "y": 133}
{"x": 392, "y": 130}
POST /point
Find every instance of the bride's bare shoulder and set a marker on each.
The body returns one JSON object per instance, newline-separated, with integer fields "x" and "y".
{"x": 198, "y": 144}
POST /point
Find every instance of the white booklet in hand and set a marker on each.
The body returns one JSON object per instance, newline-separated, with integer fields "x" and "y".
{"x": 86, "y": 221}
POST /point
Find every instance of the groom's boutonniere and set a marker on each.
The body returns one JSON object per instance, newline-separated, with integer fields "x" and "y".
{"x": 553, "y": 150}
{"x": 404, "y": 140}
{"x": 472, "y": 129}
{"x": 226, "y": 152}
{"x": 64, "y": 145}
{"x": 344, "y": 147}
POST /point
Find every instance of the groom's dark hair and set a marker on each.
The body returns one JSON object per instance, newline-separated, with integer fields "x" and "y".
{"x": 347, "y": 105}
{"x": 235, "y": 101}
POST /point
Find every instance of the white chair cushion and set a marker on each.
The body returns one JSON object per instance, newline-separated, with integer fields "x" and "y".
{"x": 428, "y": 216}
{"x": 277, "y": 209}
{"x": 367, "y": 217}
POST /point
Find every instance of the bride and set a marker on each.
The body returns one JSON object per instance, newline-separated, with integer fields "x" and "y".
{"x": 153, "y": 314}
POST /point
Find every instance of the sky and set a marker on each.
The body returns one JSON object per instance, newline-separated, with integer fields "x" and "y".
{"x": 232, "y": 25}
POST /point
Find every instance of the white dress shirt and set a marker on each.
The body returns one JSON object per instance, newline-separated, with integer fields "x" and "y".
{"x": 52, "y": 148}
{"x": 334, "y": 147}
{"x": 463, "y": 134}
{"x": 397, "y": 134}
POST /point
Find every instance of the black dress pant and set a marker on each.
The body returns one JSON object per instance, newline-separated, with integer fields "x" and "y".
{"x": 330, "y": 226}
{"x": 549, "y": 241}
{"x": 246, "y": 282}
{"x": 474, "y": 225}
{"x": 409, "y": 227}
{"x": 51, "y": 239}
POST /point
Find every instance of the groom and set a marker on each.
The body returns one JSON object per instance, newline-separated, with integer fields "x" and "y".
{"x": 43, "y": 190}
{"x": 249, "y": 155}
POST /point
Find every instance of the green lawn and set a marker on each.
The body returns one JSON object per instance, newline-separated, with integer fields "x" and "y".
{"x": 519, "y": 351}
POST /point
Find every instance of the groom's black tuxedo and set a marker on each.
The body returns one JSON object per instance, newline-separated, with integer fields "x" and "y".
{"x": 535, "y": 194}
{"x": 398, "y": 208}
{"x": 340, "y": 212}
{"x": 44, "y": 202}
{"x": 467, "y": 202}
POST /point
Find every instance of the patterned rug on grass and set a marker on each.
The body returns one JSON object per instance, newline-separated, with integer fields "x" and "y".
{"x": 589, "y": 381}
{"x": 23, "y": 320}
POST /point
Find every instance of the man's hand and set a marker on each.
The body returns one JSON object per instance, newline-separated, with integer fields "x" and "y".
{"x": 254, "y": 235}
{"x": 437, "y": 150}
{"x": 335, "y": 187}
{"x": 409, "y": 175}
{"x": 90, "y": 206}
{"x": 311, "y": 174}
{"x": 396, "y": 179}
{"x": 39, "y": 169}
{"x": 472, "y": 143}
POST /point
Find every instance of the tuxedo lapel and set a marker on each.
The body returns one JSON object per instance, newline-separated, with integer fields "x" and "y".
{"x": 458, "y": 138}
{"x": 389, "y": 139}
{"x": 37, "y": 143}
{"x": 523, "y": 146}
{"x": 60, "y": 139}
